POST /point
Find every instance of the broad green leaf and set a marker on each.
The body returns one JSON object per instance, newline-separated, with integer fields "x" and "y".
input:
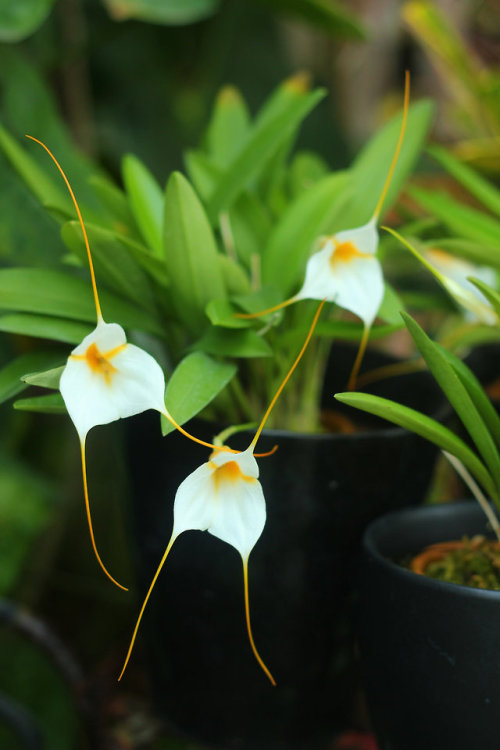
{"x": 10, "y": 375}
{"x": 45, "y": 188}
{"x": 222, "y": 313}
{"x": 37, "y": 290}
{"x": 475, "y": 252}
{"x": 488, "y": 413}
{"x": 46, "y": 379}
{"x": 266, "y": 138}
{"x": 309, "y": 216}
{"x": 167, "y": 12}
{"x": 306, "y": 169}
{"x": 202, "y": 172}
{"x": 195, "y": 382}
{"x": 250, "y": 226}
{"x": 234, "y": 276}
{"x": 330, "y": 16}
{"x": 191, "y": 255}
{"x": 457, "y": 395}
{"x": 224, "y": 342}
{"x": 484, "y": 191}
{"x": 371, "y": 166}
{"x": 51, "y": 404}
{"x": 460, "y": 219}
{"x": 146, "y": 201}
{"x": 115, "y": 202}
{"x": 424, "y": 426}
{"x": 21, "y": 18}
{"x": 228, "y": 127}
{"x": 45, "y": 327}
{"x": 114, "y": 264}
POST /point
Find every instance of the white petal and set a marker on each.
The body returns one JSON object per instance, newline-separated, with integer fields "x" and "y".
{"x": 136, "y": 383}
{"x": 194, "y": 501}
{"x": 453, "y": 273}
{"x": 229, "y": 504}
{"x": 360, "y": 287}
{"x": 364, "y": 239}
{"x": 356, "y": 284}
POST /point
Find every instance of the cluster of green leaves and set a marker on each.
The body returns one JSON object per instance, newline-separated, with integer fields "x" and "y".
{"x": 472, "y": 86}
{"x": 174, "y": 265}
{"x": 470, "y": 403}
{"x": 20, "y": 19}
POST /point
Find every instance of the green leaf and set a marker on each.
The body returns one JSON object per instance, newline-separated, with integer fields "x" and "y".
{"x": 328, "y": 15}
{"x": 369, "y": 170}
{"x": 224, "y": 342}
{"x": 195, "y": 382}
{"x": 21, "y": 18}
{"x": 309, "y": 216}
{"x": 234, "y": 276}
{"x": 45, "y": 327}
{"x": 349, "y": 330}
{"x": 457, "y": 395}
{"x": 191, "y": 255}
{"x": 487, "y": 411}
{"x": 222, "y": 313}
{"x": 424, "y": 426}
{"x": 51, "y": 404}
{"x": 37, "y": 290}
{"x": 460, "y": 219}
{"x": 114, "y": 264}
{"x": 115, "y": 202}
{"x": 228, "y": 127}
{"x": 306, "y": 169}
{"x": 166, "y": 12}
{"x": 269, "y": 133}
{"x": 250, "y": 227}
{"x": 10, "y": 375}
{"x": 491, "y": 294}
{"x": 45, "y": 379}
{"x": 146, "y": 201}
{"x": 45, "y": 189}
{"x": 484, "y": 191}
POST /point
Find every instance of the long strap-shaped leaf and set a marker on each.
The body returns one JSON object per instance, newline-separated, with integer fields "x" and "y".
{"x": 427, "y": 428}
{"x": 457, "y": 395}
{"x": 475, "y": 390}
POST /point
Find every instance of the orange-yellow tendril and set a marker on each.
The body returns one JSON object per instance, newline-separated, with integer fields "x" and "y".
{"x": 144, "y": 604}
{"x": 398, "y": 146}
{"x": 89, "y": 519}
{"x": 359, "y": 357}
{"x": 80, "y": 219}
{"x": 249, "y": 627}
{"x": 288, "y": 375}
{"x": 275, "y": 308}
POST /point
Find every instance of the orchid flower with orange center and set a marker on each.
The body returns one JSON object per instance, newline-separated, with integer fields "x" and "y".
{"x": 225, "y": 498}
{"x": 345, "y": 270}
{"x": 106, "y": 378}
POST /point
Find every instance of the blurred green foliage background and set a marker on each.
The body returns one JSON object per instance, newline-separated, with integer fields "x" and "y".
{"x": 97, "y": 79}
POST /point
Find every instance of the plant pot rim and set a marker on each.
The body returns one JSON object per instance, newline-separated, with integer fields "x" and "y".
{"x": 378, "y": 533}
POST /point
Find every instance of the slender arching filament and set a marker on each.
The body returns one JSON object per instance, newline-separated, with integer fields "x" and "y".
{"x": 249, "y": 627}
{"x": 89, "y": 519}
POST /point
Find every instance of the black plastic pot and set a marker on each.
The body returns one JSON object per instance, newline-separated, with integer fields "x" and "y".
{"x": 430, "y": 650}
{"x": 321, "y": 492}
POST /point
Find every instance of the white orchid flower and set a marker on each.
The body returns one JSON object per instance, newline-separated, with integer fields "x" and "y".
{"x": 345, "y": 270}
{"x": 453, "y": 273}
{"x": 106, "y": 378}
{"x": 224, "y": 497}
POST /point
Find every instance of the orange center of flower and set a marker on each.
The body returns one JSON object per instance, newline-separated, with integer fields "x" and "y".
{"x": 229, "y": 472}
{"x": 345, "y": 252}
{"x": 99, "y": 362}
